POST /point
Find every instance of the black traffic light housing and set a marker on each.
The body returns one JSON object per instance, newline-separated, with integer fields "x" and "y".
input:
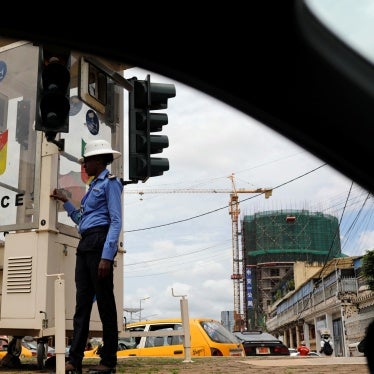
{"x": 143, "y": 99}
{"x": 53, "y": 92}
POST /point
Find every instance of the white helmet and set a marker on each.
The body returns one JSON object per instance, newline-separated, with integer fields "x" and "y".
{"x": 98, "y": 147}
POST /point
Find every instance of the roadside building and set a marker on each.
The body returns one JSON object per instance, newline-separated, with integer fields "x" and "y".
{"x": 335, "y": 299}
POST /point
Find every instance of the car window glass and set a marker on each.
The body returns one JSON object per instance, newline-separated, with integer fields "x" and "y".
{"x": 137, "y": 328}
{"x": 159, "y": 341}
{"x": 137, "y": 338}
{"x": 218, "y": 333}
{"x": 177, "y": 339}
{"x": 128, "y": 343}
{"x": 351, "y": 20}
{"x": 149, "y": 342}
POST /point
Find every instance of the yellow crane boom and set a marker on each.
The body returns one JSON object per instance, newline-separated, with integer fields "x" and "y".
{"x": 266, "y": 191}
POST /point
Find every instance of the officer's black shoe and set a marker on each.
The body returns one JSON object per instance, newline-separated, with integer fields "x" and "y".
{"x": 101, "y": 369}
{"x": 71, "y": 369}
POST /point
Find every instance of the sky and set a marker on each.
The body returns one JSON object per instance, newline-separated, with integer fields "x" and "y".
{"x": 179, "y": 242}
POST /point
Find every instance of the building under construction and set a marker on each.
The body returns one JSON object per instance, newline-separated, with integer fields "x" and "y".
{"x": 272, "y": 241}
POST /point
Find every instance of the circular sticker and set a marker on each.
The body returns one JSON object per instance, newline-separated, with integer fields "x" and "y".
{"x": 3, "y": 70}
{"x": 75, "y": 105}
{"x": 92, "y": 122}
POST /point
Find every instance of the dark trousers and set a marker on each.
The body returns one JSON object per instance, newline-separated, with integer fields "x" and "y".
{"x": 90, "y": 289}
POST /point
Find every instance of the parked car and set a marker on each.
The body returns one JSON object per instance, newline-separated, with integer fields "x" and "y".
{"x": 3, "y": 342}
{"x": 25, "y": 352}
{"x": 258, "y": 343}
{"x": 208, "y": 338}
{"x": 33, "y": 347}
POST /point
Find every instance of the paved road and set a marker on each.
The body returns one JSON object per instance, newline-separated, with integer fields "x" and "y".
{"x": 308, "y": 361}
{"x": 273, "y": 365}
{"x": 222, "y": 365}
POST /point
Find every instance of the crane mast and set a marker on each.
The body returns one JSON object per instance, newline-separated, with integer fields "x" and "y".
{"x": 238, "y": 264}
{"x": 237, "y": 257}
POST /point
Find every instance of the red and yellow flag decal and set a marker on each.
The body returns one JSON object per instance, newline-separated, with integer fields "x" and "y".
{"x": 3, "y": 150}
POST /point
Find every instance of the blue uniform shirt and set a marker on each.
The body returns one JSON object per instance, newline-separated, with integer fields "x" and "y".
{"x": 101, "y": 205}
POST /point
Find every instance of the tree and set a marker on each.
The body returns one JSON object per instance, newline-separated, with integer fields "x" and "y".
{"x": 368, "y": 268}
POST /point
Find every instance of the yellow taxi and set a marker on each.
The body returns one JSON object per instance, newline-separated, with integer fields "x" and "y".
{"x": 25, "y": 353}
{"x": 208, "y": 338}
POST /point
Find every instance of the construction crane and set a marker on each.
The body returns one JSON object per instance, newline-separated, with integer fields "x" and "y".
{"x": 238, "y": 264}
{"x": 238, "y": 256}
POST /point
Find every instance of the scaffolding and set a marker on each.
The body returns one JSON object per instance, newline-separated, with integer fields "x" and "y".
{"x": 290, "y": 235}
{"x": 272, "y": 241}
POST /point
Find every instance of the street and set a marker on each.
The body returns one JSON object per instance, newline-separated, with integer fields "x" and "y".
{"x": 220, "y": 365}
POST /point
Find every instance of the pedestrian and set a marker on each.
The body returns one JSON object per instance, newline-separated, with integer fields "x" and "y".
{"x": 303, "y": 349}
{"x": 326, "y": 347}
{"x": 99, "y": 221}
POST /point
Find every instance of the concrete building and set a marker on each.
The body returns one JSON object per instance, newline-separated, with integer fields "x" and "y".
{"x": 272, "y": 242}
{"x": 335, "y": 298}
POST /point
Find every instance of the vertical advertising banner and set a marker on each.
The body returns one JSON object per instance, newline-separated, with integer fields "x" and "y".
{"x": 248, "y": 277}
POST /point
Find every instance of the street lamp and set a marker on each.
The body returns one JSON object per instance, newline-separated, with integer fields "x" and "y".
{"x": 140, "y": 307}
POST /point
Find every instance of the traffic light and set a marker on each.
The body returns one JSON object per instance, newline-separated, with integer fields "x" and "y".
{"x": 143, "y": 100}
{"x": 53, "y": 92}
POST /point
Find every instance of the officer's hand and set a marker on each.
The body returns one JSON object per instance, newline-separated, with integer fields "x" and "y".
{"x": 59, "y": 195}
{"x": 104, "y": 268}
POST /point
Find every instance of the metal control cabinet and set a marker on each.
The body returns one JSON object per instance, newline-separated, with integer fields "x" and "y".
{"x": 38, "y": 239}
{"x": 31, "y": 263}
